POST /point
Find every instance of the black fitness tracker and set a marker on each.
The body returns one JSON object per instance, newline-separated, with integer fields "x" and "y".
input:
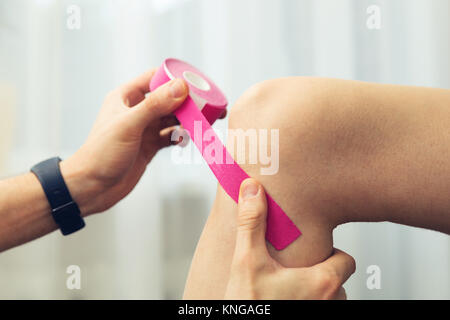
{"x": 65, "y": 211}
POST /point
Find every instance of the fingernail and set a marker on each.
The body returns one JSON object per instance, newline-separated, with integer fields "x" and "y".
{"x": 177, "y": 88}
{"x": 249, "y": 190}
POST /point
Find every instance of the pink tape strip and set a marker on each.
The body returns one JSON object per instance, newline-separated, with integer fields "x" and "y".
{"x": 281, "y": 231}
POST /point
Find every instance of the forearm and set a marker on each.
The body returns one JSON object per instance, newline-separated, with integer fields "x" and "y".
{"x": 25, "y": 213}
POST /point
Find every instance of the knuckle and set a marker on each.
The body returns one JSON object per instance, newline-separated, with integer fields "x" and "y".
{"x": 328, "y": 284}
{"x": 323, "y": 281}
{"x": 249, "y": 219}
{"x": 154, "y": 102}
{"x": 352, "y": 264}
{"x": 160, "y": 97}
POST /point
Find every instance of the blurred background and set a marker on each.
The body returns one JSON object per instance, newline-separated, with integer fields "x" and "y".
{"x": 53, "y": 77}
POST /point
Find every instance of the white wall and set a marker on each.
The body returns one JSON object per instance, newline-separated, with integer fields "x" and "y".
{"x": 59, "y": 78}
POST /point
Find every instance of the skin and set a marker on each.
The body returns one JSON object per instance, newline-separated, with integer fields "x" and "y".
{"x": 129, "y": 131}
{"x": 131, "y": 128}
{"x": 348, "y": 151}
{"x": 254, "y": 274}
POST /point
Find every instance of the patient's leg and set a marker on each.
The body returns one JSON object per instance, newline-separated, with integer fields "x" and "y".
{"x": 348, "y": 151}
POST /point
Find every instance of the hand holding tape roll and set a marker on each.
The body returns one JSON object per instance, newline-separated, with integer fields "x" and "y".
{"x": 202, "y": 108}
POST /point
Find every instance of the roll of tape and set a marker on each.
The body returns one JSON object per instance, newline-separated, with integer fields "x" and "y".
{"x": 202, "y": 108}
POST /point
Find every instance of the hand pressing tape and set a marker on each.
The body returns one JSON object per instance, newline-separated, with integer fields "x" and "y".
{"x": 202, "y": 108}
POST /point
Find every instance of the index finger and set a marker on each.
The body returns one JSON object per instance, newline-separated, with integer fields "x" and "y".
{"x": 340, "y": 264}
{"x": 135, "y": 90}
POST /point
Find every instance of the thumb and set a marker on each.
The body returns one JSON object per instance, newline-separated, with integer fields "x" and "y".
{"x": 251, "y": 220}
{"x": 161, "y": 102}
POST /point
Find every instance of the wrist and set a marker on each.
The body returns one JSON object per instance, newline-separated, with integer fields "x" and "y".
{"x": 84, "y": 191}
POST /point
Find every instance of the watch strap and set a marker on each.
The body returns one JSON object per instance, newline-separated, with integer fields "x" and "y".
{"x": 65, "y": 211}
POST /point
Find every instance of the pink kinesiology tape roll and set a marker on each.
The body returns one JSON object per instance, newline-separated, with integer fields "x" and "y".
{"x": 202, "y": 108}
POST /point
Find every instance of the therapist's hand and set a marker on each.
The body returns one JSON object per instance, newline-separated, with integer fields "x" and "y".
{"x": 129, "y": 131}
{"x": 255, "y": 275}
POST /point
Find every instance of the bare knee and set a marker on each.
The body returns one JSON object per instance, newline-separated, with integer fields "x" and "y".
{"x": 288, "y": 107}
{"x": 273, "y": 102}
{"x": 331, "y": 143}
